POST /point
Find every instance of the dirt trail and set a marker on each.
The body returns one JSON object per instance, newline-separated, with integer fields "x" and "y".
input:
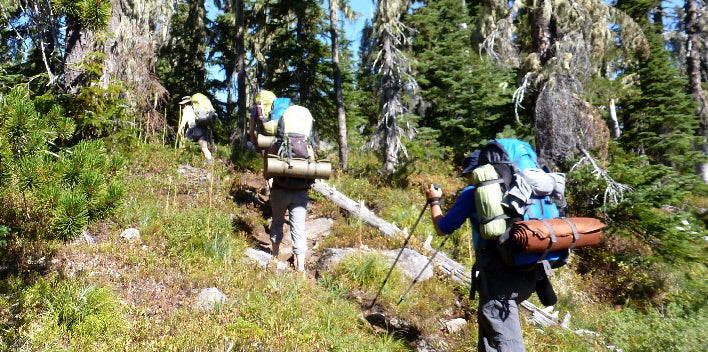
{"x": 252, "y": 192}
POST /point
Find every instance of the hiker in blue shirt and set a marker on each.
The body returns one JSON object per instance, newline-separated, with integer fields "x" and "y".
{"x": 500, "y": 287}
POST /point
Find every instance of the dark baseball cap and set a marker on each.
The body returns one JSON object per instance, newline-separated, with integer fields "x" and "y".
{"x": 470, "y": 163}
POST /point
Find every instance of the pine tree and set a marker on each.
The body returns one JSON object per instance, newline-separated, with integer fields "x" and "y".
{"x": 696, "y": 78}
{"x": 182, "y": 62}
{"x": 659, "y": 121}
{"x": 395, "y": 80}
{"x": 557, "y": 45}
{"x": 83, "y": 19}
{"x": 363, "y": 107}
{"x": 334, "y": 7}
{"x": 463, "y": 94}
{"x": 51, "y": 189}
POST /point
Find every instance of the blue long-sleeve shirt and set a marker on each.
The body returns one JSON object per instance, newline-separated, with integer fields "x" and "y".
{"x": 463, "y": 209}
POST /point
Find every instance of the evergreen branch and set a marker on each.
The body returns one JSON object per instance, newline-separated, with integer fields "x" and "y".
{"x": 614, "y": 192}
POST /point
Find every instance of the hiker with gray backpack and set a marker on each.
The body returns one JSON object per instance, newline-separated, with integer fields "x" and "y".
{"x": 520, "y": 233}
{"x": 289, "y": 192}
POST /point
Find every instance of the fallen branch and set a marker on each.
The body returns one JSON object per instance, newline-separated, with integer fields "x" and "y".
{"x": 458, "y": 272}
{"x": 358, "y": 209}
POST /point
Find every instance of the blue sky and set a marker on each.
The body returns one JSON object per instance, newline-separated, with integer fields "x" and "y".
{"x": 352, "y": 29}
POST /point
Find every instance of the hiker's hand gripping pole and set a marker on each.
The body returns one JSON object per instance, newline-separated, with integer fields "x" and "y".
{"x": 401, "y": 251}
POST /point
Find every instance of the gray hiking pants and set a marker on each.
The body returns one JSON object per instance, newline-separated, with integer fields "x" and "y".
{"x": 501, "y": 289}
{"x": 295, "y": 202}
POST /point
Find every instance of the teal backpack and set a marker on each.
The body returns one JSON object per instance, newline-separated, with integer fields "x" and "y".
{"x": 279, "y": 107}
{"x": 515, "y": 163}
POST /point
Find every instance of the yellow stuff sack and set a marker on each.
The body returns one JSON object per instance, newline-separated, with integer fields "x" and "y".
{"x": 270, "y": 127}
{"x": 201, "y": 103}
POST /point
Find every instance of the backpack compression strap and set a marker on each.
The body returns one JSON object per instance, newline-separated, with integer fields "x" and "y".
{"x": 576, "y": 236}
{"x": 490, "y": 219}
{"x": 542, "y": 258}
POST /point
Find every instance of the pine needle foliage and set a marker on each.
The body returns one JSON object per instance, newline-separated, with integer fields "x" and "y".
{"x": 91, "y": 13}
{"x": 68, "y": 314}
{"x": 463, "y": 94}
{"x": 50, "y": 188}
{"x": 659, "y": 121}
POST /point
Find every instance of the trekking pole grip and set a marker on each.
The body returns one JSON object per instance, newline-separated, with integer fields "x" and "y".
{"x": 434, "y": 199}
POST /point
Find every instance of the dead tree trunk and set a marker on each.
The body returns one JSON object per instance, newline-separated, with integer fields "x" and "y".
{"x": 442, "y": 262}
{"x": 358, "y": 209}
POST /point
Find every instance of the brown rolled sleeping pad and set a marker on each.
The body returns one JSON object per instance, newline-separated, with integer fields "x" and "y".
{"x": 534, "y": 236}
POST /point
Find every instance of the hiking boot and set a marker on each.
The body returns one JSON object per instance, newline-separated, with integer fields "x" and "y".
{"x": 299, "y": 262}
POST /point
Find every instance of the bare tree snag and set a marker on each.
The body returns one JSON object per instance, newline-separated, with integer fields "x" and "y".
{"x": 613, "y": 120}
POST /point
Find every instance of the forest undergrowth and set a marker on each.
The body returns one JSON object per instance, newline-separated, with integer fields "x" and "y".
{"x": 101, "y": 292}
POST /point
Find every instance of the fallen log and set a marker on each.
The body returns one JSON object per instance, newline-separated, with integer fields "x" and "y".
{"x": 458, "y": 272}
{"x": 357, "y": 209}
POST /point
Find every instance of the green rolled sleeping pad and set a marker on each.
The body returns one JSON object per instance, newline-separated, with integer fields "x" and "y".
{"x": 488, "y": 200}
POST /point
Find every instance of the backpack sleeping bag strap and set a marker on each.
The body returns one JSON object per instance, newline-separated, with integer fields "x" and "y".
{"x": 542, "y": 259}
{"x": 576, "y": 235}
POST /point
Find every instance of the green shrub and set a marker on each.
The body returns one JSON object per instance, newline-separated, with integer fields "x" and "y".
{"x": 62, "y": 186}
{"x": 652, "y": 234}
{"x": 59, "y": 313}
{"x": 666, "y": 328}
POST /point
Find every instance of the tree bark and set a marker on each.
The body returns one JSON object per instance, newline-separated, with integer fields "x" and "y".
{"x": 542, "y": 34}
{"x": 358, "y": 210}
{"x": 78, "y": 44}
{"x": 241, "y": 68}
{"x": 615, "y": 127}
{"x": 693, "y": 67}
{"x": 339, "y": 98}
{"x": 390, "y": 102}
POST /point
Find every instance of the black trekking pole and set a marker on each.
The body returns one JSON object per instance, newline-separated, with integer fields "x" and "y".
{"x": 400, "y": 252}
{"x": 421, "y": 272}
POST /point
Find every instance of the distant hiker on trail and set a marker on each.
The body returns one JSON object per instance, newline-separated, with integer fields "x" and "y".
{"x": 263, "y": 104}
{"x": 197, "y": 116}
{"x": 290, "y": 193}
{"x": 501, "y": 288}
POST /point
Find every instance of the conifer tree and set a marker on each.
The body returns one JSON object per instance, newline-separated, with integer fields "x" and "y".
{"x": 659, "y": 121}
{"x": 556, "y": 46}
{"x": 182, "y": 61}
{"x": 297, "y": 63}
{"x": 49, "y": 188}
{"x": 395, "y": 78}
{"x": 695, "y": 46}
{"x": 227, "y": 41}
{"x": 83, "y": 19}
{"x": 363, "y": 93}
{"x": 334, "y": 8}
{"x": 136, "y": 33}
{"x": 463, "y": 94}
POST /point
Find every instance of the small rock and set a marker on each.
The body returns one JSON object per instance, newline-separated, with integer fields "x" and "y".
{"x": 210, "y": 299}
{"x": 263, "y": 259}
{"x": 131, "y": 234}
{"x": 455, "y": 325}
